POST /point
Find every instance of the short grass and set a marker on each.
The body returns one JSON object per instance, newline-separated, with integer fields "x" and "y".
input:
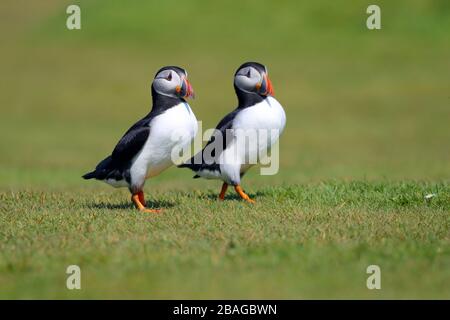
{"x": 367, "y": 138}
{"x": 297, "y": 241}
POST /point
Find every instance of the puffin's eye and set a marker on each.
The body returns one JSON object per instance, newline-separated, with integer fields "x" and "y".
{"x": 169, "y": 77}
{"x": 248, "y": 73}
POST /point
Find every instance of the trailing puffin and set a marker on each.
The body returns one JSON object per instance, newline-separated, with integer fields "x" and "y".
{"x": 145, "y": 150}
{"x": 226, "y": 156}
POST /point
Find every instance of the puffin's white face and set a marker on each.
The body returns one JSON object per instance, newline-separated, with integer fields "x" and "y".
{"x": 252, "y": 80}
{"x": 170, "y": 83}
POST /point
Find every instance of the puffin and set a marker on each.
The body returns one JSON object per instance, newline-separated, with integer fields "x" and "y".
{"x": 146, "y": 149}
{"x": 227, "y": 156}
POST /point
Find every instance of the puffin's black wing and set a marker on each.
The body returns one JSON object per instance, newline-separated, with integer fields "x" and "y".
{"x": 127, "y": 147}
{"x": 130, "y": 144}
{"x": 225, "y": 124}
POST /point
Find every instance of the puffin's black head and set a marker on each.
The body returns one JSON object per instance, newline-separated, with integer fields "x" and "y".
{"x": 172, "y": 81}
{"x": 252, "y": 77}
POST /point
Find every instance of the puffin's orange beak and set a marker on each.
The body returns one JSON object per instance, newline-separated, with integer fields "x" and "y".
{"x": 265, "y": 87}
{"x": 186, "y": 89}
{"x": 269, "y": 87}
{"x": 190, "y": 90}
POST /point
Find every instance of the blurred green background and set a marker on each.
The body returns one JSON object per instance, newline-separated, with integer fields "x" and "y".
{"x": 359, "y": 103}
{"x": 369, "y": 110}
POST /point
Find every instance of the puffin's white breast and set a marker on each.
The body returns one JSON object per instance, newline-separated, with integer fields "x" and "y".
{"x": 263, "y": 123}
{"x": 175, "y": 128}
{"x": 255, "y": 130}
{"x": 268, "y": 114}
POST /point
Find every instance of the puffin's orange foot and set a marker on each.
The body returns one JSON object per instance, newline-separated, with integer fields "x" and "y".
{"x": 147, "y": 210}
{"x": 250, "y": 200}
{"x": 138, "y": 200}
{"x": 242, "y": 194}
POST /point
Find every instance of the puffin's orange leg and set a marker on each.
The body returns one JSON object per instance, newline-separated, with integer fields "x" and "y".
{"x": 140, "y": 206}
{"x": 141, "y": 198}
{"x": 242, "y": 194}
{"x": 223, "y": 191}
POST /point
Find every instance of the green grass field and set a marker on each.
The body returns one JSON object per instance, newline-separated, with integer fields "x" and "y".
{"x": 367, "y": 138}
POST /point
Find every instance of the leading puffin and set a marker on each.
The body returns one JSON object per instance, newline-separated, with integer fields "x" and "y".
{"x": 146, "y": 148}
{"x": 257, "y": 111}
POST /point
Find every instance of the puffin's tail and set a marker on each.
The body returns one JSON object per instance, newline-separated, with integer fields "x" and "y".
{"x": 90, "y": 175}
{"x": 192, "y": 165}
{"x": 103, "y": 170}
{"x": 212, "y": 170}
